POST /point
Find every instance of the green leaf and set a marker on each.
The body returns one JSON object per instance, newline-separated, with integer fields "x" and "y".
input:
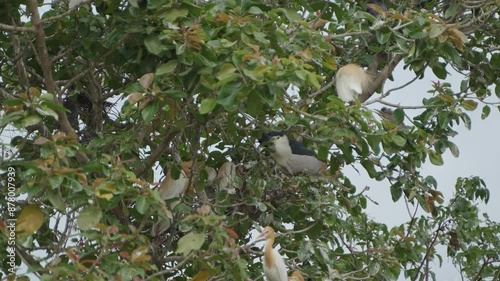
{"x": 56, "y": 199}
{"x": 134, "y": 3}
{"x": 47, "y": 97}
{"x": 369, "y": 167}
{"x": 313, "y": 80}
{"x": 291, "y": 119}
{"x": 436, "y": 30}
{"x": 227, "y": 96}
{"x": 254, "y": 104}
{"x": 226, "y": 70}
{"x": 396, "y": 192}
{"x": 399, "y": 115}
{"x": 453, "y": 149}
{"x": 439, "y": 70}
{"x": 436, "y": 158}
{"x": 444, "y": 118}
{"x": 142, "y": 204}
{"x": 154, "y": 45}
{"x": 150, "y": 111}
{"x": 133, "y": 88}
{"x": 255, "y": 10}
{"x": 55, "y": 181}
{"x": 166, "y": 68}
{"x": 292, "y": 15}
{"x": 398, "y": 140}
{"x": 383, "y": 36}
{"x": 486, "y": 112}
{"x": 31, "y": 120}
{"x": 452, "y": 10}
{"x": 190, "y": 242}
{"x": 207, "y": 105}
{"x": 46, "y": 111}
{"x": 89, "y": 217}
{"x": 174, "y": 14}
{"x": 464, "y": 85}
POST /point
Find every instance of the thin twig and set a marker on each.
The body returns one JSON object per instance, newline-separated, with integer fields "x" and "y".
{"x": 68, "y": 12}
{"x": 177, "y": 267}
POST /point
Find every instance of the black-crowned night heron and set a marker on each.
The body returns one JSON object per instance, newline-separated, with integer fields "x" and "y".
{"x": 352, "y": 81}
{"x": 292, "y": 157}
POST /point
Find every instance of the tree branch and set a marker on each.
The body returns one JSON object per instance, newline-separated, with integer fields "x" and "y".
{"x": 15, "y": 28}
{"x": 381, "y": 77}
{"x": 149, "y": 162}
{"x": 428, "y": 251}
{"x": 46, "y": 67}
{"x": 68, "y": 12}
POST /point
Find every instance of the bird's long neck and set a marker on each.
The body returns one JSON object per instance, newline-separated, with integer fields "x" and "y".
{"x": 268, "y": 252}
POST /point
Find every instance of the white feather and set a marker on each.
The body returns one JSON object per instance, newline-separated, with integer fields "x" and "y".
{"x": 351, "y": 81}
{"x": 278, "y": 272}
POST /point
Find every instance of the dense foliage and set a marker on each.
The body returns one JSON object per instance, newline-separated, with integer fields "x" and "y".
{"x": 109, "y": 99}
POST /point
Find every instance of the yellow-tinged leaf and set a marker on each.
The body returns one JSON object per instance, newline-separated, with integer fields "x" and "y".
{"x": 30, "y": 220}
{"x": 138, "y": 181}
{"x": 40, "y": 140}
{"x": 82, "y": 178}
{"x": 106, "y": 190}
{"x": 442, "y": 38}
{"x": 469, "y": 105}
{"x": 305, "y": 55}
{"x": 98, "y": 182}
{"x": 202, "y": 275}
{"x": 191, "y": 217}
{"x": 446, "y": 98}
{"x": 458, "y": 34}
{"x": 190, "y": 242}
{"x": 61, "y": 151}
{"x": 437, "y": 18}
{"x": 140, "y": 255}
{"x": 134, "y": 97}
{"x": 34, "y": 92}
{"x": 320, "y": 23}
{"x": 399, "y": 17}
{"x": 102, "y": 227}
{"x": 225, "y": 70}
{"x": 376, "y": 8}
{"x": 107, "y": 196}
{"x": 23, "y": 96}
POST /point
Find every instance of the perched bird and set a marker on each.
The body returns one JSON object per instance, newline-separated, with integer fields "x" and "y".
{"x": 387, "y": 115}
{"x": 174, "y": 188}
{"x": 274, "y": 265}
{"x": 351, "y": 82}
{"x": 291, "y": 155}
{"x": 296, "y": 276}
{"x": 227, "y": 177}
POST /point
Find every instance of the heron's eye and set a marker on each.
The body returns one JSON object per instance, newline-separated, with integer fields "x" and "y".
{"x": 278, "y": 138}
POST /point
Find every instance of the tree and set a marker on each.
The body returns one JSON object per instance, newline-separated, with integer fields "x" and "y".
{"x": 107, "y": 96}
